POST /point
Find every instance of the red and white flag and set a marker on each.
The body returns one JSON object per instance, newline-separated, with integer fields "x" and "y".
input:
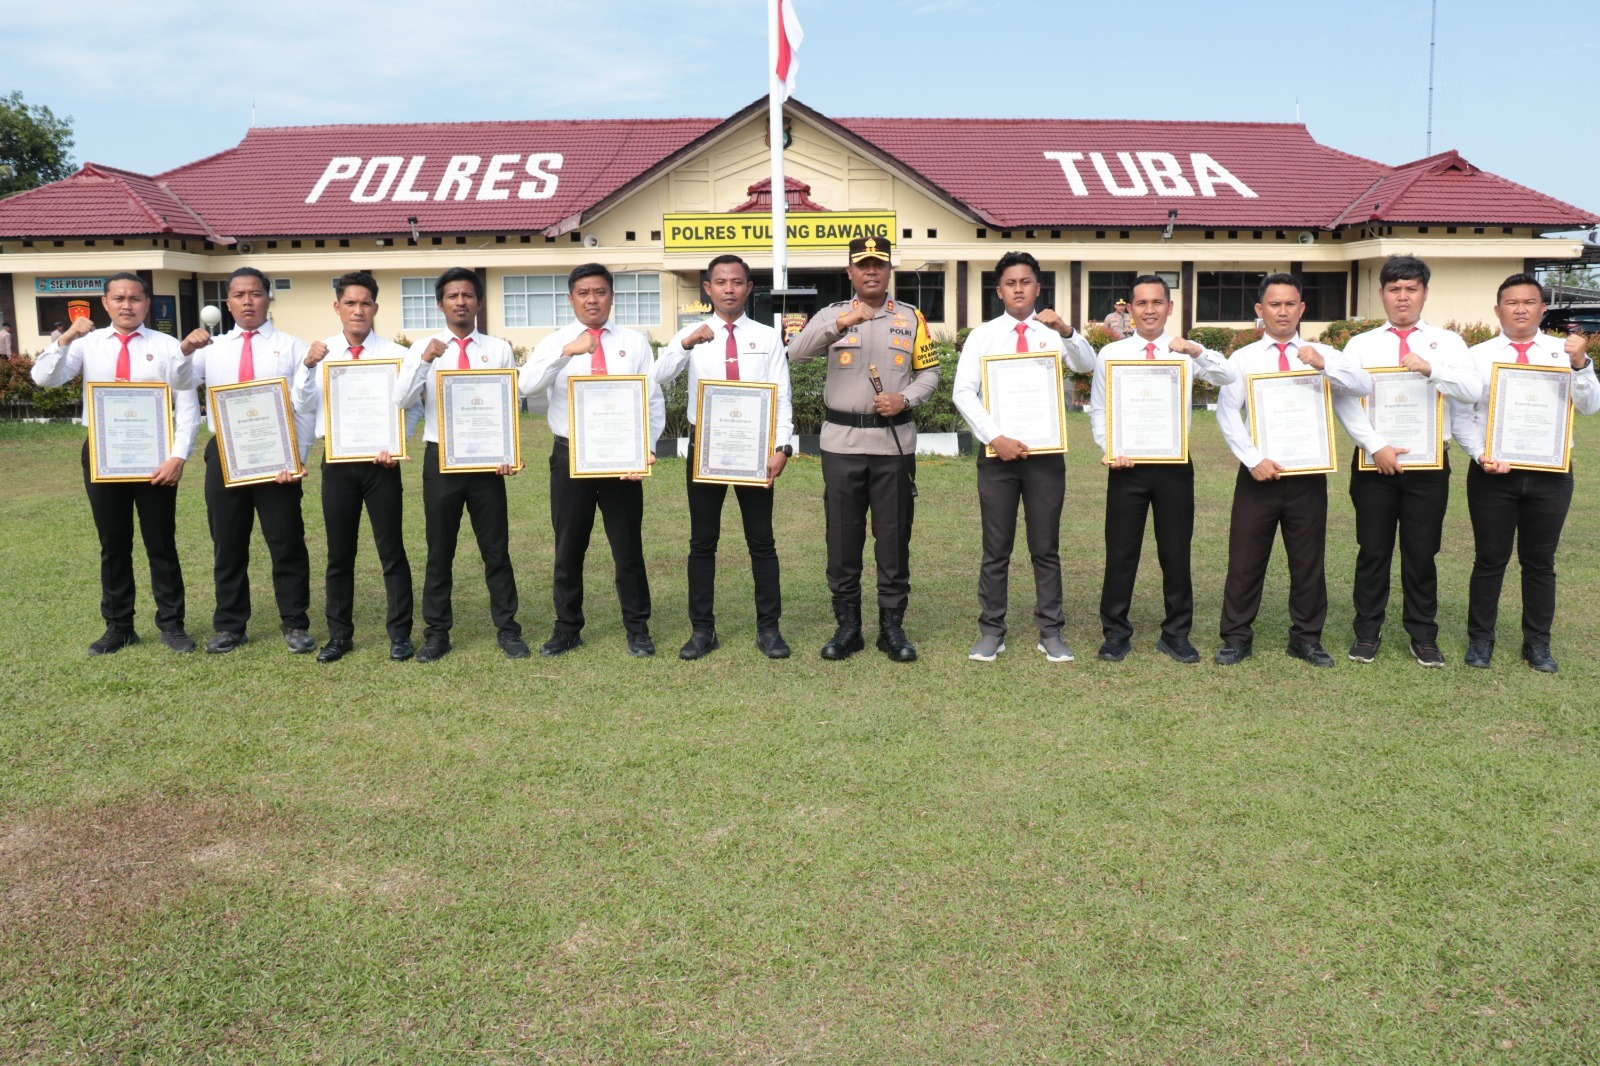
{"x": 789, "y": 37}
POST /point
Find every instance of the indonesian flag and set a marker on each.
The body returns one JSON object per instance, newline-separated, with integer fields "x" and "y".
{"x": 789, "y": 37}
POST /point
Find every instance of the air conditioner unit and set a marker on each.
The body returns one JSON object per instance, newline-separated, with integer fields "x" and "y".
{"x": 591, "y": 241}
{"x": 244, "y": 247}
{"x": 1307, "y": 237}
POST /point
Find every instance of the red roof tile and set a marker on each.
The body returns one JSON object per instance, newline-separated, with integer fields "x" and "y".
{"x": 99, "y": 201}
{"x": 1447, "y": 188}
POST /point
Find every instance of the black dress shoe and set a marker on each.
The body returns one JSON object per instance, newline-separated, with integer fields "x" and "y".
{"x": 512, "y": 644}
{"x": 225, "y": 641}
{"x": 771, "y": 643}
{"x": 400, "y": 649}
{"x": 1114, "y": 650}
{"x": 1480, "y": 654}
{"x": 1178, "y": 649}
{"x": 640, "y": 646}
{"x": 298, "y": 640}
{"x": 113, "y": 640}
{"x": 701, "y": 642}
{"x": 1313, "y": 653}
{"x": 1233, "y": 654}
{"x": 892, "y": 639}
{"x": 433, "y": 649}
{"x": 178, "y": 641}
{"x": 1539, "y": 658}
{"x": 846, "y": 639}
{"x": 560, "y": 643}
{"x": 334, "y": 650}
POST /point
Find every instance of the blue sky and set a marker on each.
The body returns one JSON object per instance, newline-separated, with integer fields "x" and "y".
{"x": 150, "y": 92}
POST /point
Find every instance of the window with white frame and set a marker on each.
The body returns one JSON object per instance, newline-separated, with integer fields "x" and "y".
{"x": 536, "y": 301}
{"x": 638, "y": 300}
{"x": 418, "y": 309}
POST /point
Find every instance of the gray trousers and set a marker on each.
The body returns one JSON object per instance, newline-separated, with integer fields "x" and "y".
{"x": 1040, "y": 483}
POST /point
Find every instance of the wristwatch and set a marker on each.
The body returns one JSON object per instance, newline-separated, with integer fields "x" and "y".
{"x": 787, "y": 450}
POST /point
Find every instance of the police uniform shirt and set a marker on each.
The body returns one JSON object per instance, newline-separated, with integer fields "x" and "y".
{"x": 152, "y": 357}
{"x": 1208, "y": 366}
{"x": 308, "y": 381}
{"x": 627, "y": 352}
{"x": 418, "y": 380}
{"x": 273, "y": 354}
{"x": 1469, "y": 421}
{"x": 1345, "y": 378}
{"x": 1452, "y": 375}
{"x": 897, "y": 341}
{"x": 1120, "y": 323}
{"x": 761, "y": 358}
{"x": 998, "y": 336}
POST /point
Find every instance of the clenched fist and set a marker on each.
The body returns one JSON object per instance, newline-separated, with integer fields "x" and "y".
{"x": 434, "y": 350}
{"x": 701, "y": 334}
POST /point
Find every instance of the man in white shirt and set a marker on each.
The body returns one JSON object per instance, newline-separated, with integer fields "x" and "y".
{"x": 593, "y": 344}
{"x": 1390, "y": 496}
{"x": 255, "y": 350}
{"x": 460, "y": 346}
{"x": 1134, "y": 491}
{"x": 1527, "y": 507}
{"x": 730, "y": 346}
{"x": 1265, "y": 501}
{"x": 1039, "y": 482}
{"x": 128, "y": 350}
{"x": 346, "y": 486}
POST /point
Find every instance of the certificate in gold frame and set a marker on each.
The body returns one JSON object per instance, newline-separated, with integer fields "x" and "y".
{"x": 1332, "y": 465}
{"x": 990, "y": 362}
{"x": 764, "y": 392}
{"x": 273, "y": 391}
{"x": 577, "y": 466}
{"x": 97, "y": 396}
{"x": 332, "y": 451}
{"x": 1490, "y": 427}
{"x": 443, "y": 384}
{"x": 1364, "y": 461}
{"x": 1112, "y": 368}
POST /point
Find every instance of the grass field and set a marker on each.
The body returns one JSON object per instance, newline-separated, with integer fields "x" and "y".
{"x": 256, "y": 858}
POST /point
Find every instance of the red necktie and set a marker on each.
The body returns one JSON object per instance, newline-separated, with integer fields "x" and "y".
{"x": 597, "y": 358}
{"x": 1022, "y": 336}
{"x": 1150, "y": 350}
{"x": 125, "y": 364}
{"x": 355, "y": 352}
{"x": 732, "y": 356}
{"x": 1405, "y": 349}
{"x": 1522, "y": 350}
{"x": 247, "y": 358}
{"x": 1283, "y": 356}
{"x": 463, "y": 363}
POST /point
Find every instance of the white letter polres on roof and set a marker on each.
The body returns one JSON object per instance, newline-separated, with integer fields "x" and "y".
{"x": 1164, "y": 171}
{"x": 374, "y": 180}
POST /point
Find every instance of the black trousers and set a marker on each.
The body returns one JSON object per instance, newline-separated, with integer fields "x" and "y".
{"x": 483, "y": 496}
{"x": 572, "y": 506}
{"x": 1415, "y": 502}
{"x": 345, "y": 488}
{"x": 1131, "y": 495}
{"x": 113, "y": 505}
{"x": 1040, "y": 484}
{"x": 1530, "y": 507}
{"x": 232, "y": 514}
{"x": 1298, "y": 506}
{"x": 852, "y": 485}
{"x": 705, "y": 530}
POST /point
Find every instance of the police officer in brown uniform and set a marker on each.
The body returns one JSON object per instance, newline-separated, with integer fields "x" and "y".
{"x": 881, "y": 364}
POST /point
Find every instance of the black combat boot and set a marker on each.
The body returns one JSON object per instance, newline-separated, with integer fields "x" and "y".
{"x": 892, "y": 638}
{"x": 846, "y": 640}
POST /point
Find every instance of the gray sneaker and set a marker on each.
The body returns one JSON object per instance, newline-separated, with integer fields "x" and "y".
{"x": 1055, "y": 649}
{"x": 986, "y": 649}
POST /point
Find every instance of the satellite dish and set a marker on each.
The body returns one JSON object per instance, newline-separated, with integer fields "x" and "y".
{"x": 1307, "y": 237}
{"x": 591, "y": 241}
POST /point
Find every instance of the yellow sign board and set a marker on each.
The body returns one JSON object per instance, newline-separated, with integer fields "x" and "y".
{"x": 809, "y": 230}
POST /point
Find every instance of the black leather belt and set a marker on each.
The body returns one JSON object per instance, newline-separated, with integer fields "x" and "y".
{"x": 872, "y": 420}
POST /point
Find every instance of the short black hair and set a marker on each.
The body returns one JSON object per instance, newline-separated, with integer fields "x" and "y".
{"x": 125, "y": 275}
{"x": 592, "y": 270}
{"x": 1151, "y": 279}
{"x": 1011, "y": 259}
{"x": 355, "y": 277}
{"x": 1522, "y": 279}
{"x": 1278, "y": 279}
{"x": 456, "y": 274}
{"x": 249, "y": 272}
{"x": 1404, "y": 268}
{"x": 720, "y": 260}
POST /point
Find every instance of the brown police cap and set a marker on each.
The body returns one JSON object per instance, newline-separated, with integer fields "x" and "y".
{"x": 1122, "y": 303}
{"x": 869, "y": 248}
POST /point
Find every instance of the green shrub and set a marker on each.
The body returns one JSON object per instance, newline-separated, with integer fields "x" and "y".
{"x": 1098, "y": 337}
{"x": 1341, "y": 330}
{"x": 1217, "y": 338}
{"x": 17, "y": 390}
{"x": 1472, "y": 332}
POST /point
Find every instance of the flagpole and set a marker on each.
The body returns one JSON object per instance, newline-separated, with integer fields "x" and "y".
{"x": 780, "y": 199}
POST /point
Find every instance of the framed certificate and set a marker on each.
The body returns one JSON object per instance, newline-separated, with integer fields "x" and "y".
{"x": 255, "y": 431}
{"x": 1291, "y": 420}
{"x": 1024, "y": 394}
{"x": 608, "y": 425}
{"x": 735, "y": 427}
{"x": 130, "y": 428}
{"x": 359, "y": 416}
{"x": 1147, "y": 404}
{"x": 1530, "y": 417}
{"x": 478, "y": 427}
{"x": 1409, "y": 412}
